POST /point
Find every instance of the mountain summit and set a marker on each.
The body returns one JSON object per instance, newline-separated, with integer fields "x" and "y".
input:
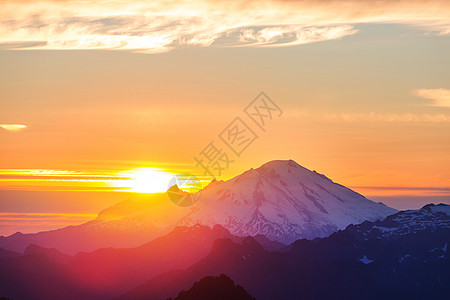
{"x": 281, "y": 200}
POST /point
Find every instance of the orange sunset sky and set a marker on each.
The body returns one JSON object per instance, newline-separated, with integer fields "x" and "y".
{"x": 103, "y": 101}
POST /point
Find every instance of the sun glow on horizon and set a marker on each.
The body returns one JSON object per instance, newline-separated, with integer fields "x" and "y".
{"x": 137, "y": 180}
{"x": 146, "y": 180}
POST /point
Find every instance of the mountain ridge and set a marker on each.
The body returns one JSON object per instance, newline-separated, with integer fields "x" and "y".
{"x": 345, "y": 265}
{"x": 280, "y": 200}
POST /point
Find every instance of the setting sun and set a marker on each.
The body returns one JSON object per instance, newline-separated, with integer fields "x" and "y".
{"x": 145, "y": 180}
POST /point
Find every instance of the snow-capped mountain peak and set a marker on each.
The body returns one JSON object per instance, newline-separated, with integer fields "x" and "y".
{"x": 283, "y": 201}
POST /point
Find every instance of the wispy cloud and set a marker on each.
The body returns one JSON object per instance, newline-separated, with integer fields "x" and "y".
{"x": 386, "y": 117}
{"x": 372, "y": 117}
{"x": 282, "y": 36}
{"x": 42, "y": 179}
{"x": 11, "y": 222}
{"x": 402, "y": 190}
{"x": 158, "y": 26}
{"x": 440, "y": 97}
{"x": 13, "y": 127}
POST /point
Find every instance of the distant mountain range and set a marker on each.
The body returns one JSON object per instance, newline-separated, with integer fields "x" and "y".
{"x": 42, "y": 273}
{"x": 404, "y": 256}
{"x": 280, "y": 200}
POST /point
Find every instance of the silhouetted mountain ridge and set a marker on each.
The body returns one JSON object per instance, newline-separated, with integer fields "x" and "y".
{"x": 217, "y": 288}
{"x": 355, "y": 263}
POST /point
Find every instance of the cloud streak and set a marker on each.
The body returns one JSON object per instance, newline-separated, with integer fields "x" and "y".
{"x": 159, "y": 26}
{"x": 440, "y": 97}
{"x": 372, "y": 117}
{"x": 13, "y": 127}
{"x": 383, "y": 117}
{"x": 11, "y": 222}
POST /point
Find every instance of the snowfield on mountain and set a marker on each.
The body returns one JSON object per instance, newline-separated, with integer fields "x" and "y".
{"x": 283, "y": 201}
